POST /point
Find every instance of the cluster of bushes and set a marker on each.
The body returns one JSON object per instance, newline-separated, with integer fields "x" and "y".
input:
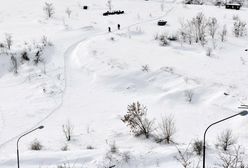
{"x": 164, "y": 39}
{"x": 230, "y": 155}
{"x": 136, "y": 119}
{"x": 118, "y": 12}
{"x": 30, "y": 52}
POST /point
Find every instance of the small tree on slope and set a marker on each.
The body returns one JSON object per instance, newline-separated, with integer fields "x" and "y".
{"x": 137, "y": 121}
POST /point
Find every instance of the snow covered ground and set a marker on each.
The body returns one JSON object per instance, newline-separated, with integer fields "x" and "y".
{"x": 90, "y": 76}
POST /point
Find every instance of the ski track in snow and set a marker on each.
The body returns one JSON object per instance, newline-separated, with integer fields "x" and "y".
{"x": 66, "y": 55}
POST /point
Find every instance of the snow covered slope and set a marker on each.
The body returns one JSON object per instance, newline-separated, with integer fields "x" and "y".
{"x": 90, "y": 76}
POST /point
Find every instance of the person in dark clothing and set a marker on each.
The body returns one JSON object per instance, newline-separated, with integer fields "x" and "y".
{"x": 119, "y": 26}
{"x": 109, "y": 29}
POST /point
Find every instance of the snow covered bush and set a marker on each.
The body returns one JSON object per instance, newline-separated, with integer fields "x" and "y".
{"x": 226, "y": 140}
{"x": 36, "y": 145}
{"x": 137, "y": 121}
{"x": 239, "y": 28}
{"x": 197, "y": 147}
{"x": 166, "y": 130}
{"x": 162, "y": 38}
{"x": 49, "y": 9}
{"x": 67, "y": 130}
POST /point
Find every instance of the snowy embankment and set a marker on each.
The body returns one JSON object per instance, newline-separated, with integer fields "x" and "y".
{"x": 91, "y": 76}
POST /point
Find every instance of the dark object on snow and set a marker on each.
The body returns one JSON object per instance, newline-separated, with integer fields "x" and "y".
{"x": 109, "y": 29}
{"x": 85, "y": 7}
{"x": 113, "y": 13}
{"x": 162, "y": 22}
{"x": 233, "y": 6}
{"x": 194, "y": 2}
{"x": 118, "y": 26}
{"x": 226, "y": 94}
{"x": 246, "y": 49}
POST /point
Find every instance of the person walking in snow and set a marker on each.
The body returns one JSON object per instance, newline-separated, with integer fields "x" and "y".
{"x": 109, "y": 29}
{"x": 119, "y": 26}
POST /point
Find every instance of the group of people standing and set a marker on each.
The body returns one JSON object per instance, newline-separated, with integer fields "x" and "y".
{"x": 118, "y": 27}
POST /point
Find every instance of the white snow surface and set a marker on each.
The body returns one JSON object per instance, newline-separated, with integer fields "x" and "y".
{"x": 90, "y": 79}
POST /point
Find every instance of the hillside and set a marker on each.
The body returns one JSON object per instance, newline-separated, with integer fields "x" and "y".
{"x": 88, "y": 76}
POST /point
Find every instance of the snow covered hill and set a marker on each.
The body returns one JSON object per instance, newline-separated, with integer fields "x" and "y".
{"x": 88, "y": 77}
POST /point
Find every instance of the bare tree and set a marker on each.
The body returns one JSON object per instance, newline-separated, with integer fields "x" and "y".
{"x": 166, "y": 130}
{"x": 137, "y": 121}
{"x": 67, "y": 130}
{"x": 68, "y": 11}
{"x": 49, "y": 9}
{"x": 212, "y": 26}
{"x": 8, "y": 40}
{"x": 200, "y": 25}
{"x": 226, "y": 139}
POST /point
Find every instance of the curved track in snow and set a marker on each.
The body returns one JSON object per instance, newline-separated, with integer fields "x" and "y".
{"x": 67, "y": 54}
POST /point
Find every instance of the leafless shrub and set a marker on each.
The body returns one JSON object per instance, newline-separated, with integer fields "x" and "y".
{"x": 197, "y": 147}
{"x": 239, "y": 28}
{"x": 68, "y": 11}
{"x": 209, "y": 51}
{"x": 8, "y": 40}
{"x": 223, "y": 33}
{"x": 65, "y": 148}
{"x": 188, "y": 95}
{"x": 49, "y": 9}
{"x": 14, "y": 64}
{"x": 36, "y": 145}
{"x": 137, "y": 121}
{"x": 109, "y": 5}
{"x": 113, "y": 148}
{"x": 200, "y": 24}
{"x": 163, "y": 41}
{"x": 45, "y": 42}
{"x": 145, "y": 68}
{"x": 232, "y": 159}
{"x": 126, "y": 157}
{"x": 184, "y": 157}
{"x": 212, "y": 26}
{"x": 194, "y": 30}
{"x": 89, "y": 147}
{"x": 166, "y": 130}
{"x": 67, "y": 130}
{"x": 226, "y": 139}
